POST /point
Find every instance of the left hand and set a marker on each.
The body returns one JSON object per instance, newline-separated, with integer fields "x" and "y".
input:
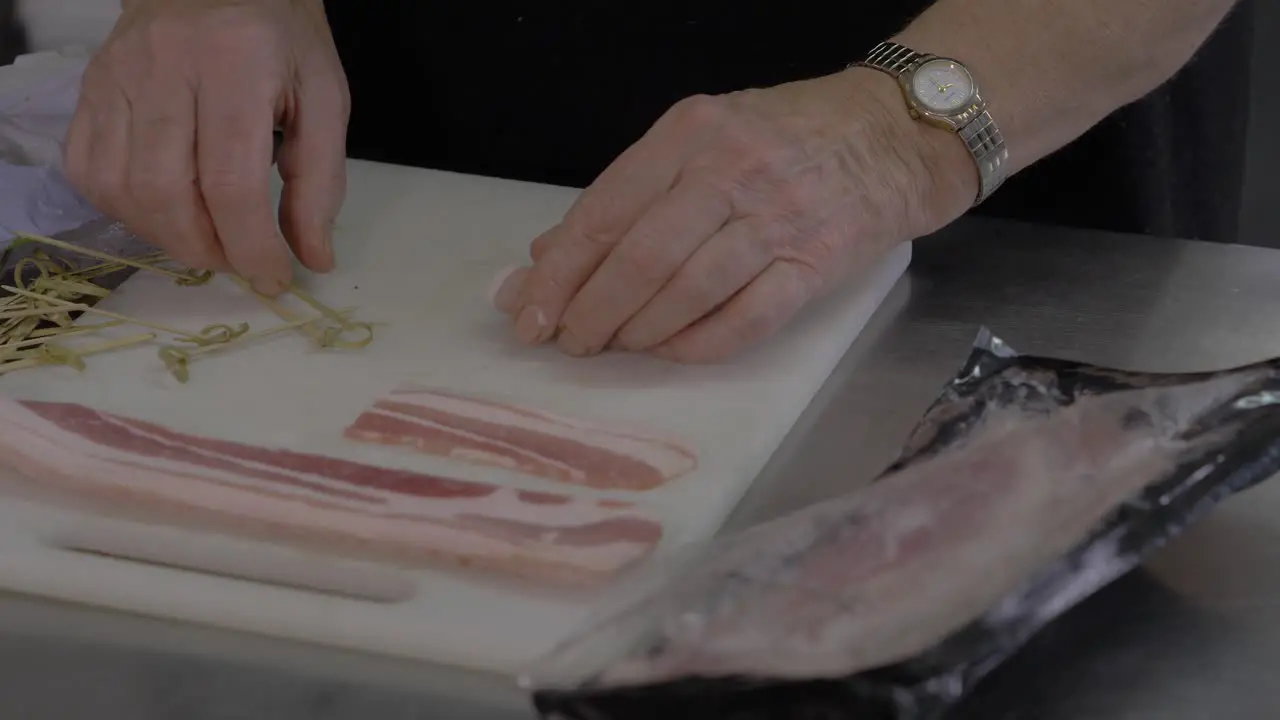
{"x": 733, "y": 212}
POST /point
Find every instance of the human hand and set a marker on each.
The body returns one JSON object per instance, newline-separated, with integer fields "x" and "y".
{"x": 734, "y": 211}
{"x": 173, "y": 133}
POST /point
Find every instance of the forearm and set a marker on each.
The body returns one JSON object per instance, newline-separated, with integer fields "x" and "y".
{"x": 1051, "y": 69}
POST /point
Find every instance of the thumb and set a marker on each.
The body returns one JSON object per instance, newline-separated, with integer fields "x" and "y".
{"x": 313, "y": 167}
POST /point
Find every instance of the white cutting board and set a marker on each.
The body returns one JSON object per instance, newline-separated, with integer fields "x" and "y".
{"x": 417, "y": 250}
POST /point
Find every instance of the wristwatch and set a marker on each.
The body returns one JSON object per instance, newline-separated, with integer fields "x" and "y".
{"x": 942, "y": 92}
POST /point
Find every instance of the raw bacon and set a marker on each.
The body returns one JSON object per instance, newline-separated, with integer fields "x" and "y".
{"x": 519, "y": 438}
{"x": 338, "y": 504}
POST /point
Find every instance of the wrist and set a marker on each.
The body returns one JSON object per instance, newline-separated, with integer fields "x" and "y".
{"x": 944, "y": 181}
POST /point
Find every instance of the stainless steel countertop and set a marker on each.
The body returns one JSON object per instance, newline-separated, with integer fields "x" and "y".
{"x": 1193, "y": 635}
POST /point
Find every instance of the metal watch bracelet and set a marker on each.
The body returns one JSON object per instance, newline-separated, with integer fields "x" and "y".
{"x": 980, "y": 134}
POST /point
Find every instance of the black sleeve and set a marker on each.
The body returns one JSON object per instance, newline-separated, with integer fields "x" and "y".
{"x": 13, "y": 37}
{"x": 1171, "y": 164}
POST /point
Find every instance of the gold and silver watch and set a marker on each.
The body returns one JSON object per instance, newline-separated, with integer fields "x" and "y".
{"x": 942, "y": 92}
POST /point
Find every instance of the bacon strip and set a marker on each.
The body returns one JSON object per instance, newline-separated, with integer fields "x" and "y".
{"x": 519, "y": 438}
{"x": 312, "y": 499}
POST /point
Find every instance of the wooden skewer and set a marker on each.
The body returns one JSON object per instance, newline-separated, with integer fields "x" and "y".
{"x": 31, "y": 362}
{"x": 196, "y": 352}
{"x": 279, "y": 309}
{"x": 67, "y": 305}
{"x": 106, "y": 256}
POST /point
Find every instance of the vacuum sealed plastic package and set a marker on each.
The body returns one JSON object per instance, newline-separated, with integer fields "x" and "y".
{"x": 1030, "y": 484}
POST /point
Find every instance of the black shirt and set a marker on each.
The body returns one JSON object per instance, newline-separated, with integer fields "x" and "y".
{"x": 13, "y": 41}
{"x": 552, "y": 92}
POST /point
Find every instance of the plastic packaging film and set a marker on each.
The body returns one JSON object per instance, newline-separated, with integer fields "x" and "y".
{"x": 38, "y": 95}
{"x": 1030, "y": 484}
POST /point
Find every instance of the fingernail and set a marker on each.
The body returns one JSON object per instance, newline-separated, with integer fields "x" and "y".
{"x": 270, "y": 288}
{"x": 532, "y": 326}
{"x": 573, "y": 345}
{"x": 504, "y": 290}
{"x": 328, "y": 245}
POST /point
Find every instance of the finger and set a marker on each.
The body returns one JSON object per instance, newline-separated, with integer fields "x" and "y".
{"x": 233, "y": 154}
{"x": 646, "y": 258}
{"x": 168, "y": 210}
{"x": 722, "y": 266}
{"x": 313, "y": 165}
{"x": 598, "y": 219}
{"x": 504, "y": 290}
{"x": 750, "y": 316}
{"x": 540, "y": 245}
{"x": 108, "y": 158}
{"x": 75, "y": 149}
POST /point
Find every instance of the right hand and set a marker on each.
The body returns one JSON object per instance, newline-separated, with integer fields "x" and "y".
{"x": 173, "y": 133}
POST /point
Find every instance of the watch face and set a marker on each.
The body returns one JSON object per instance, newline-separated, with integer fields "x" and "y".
{"x": 942, "y": 86}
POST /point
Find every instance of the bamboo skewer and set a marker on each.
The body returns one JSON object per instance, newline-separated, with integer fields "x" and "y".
{"x": 182, "y": 278}
{"x": 47, "y": 290}
{"x": 47, "y": 358}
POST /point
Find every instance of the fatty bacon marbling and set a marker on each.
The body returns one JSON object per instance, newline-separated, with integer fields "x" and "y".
{"x": 534, "y": 442}
{"x": 317, "y": 500}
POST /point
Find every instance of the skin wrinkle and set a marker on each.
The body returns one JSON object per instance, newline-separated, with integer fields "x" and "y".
{"x": 804, "y": 195}
{"x": 937, "y": 174}
{"x": 840, "y": 244}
